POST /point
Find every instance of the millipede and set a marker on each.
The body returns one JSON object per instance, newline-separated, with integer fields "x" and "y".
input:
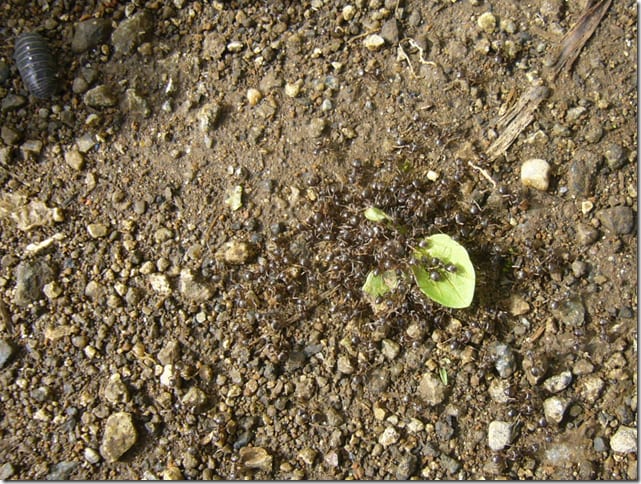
{"x": 36, "y": 65}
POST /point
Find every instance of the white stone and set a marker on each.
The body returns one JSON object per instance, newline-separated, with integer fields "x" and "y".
{"x": 499, "y": 435}
{"x": 535, "y": 173}
{"x": 388, "y": 437}
{"x": 487, "y": 22}
{"x": 554, "y": 408}
{"x": 254, "y": 96}
{"x": 624, "y": 440}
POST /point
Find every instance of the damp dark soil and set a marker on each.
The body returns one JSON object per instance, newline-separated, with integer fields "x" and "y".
{"x": 184, "y": 243}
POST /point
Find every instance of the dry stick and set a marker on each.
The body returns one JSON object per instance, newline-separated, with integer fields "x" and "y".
{"x": 522, "y": 113}
{"x": 516, "y": 120}
{"x": 574, "y": 40}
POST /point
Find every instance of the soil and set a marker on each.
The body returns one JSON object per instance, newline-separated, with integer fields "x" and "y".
{"x": 193, "y": 306}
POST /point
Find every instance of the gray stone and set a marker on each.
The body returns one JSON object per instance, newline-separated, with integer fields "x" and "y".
{"x": 194, "y": 398}
{"x": 31, "y": 277}
{"x": 600, "y": 444}
{"x": 504, "y": 359}
{"x": 390, "y": 349}
{"x": 90, "y": 34}
{"x": 406, "y": 467}
{"x": 554, "y": 409}
{"x": 389, "y": 31}
{"x": 120, "y": 435}
{"x": 97, "y": 230}
{"x": 624, "y": 440}
{"x": 582, "y": 173}
{"x": 570, "y": 311}
{"x": 451, "y": 465}
{"x": 62, "y": 471}
{"x": 237, "y": 252}
{"x": 11, "y": 102}
{"x": 6, "y": 350}
{"x": 136, "y": 104}
{"x": 615, "y": 156}
{"x": 316, "y": 127}
{"x": 91, "y": 455}
{"x": 6, "y": 471}
{"x": 559, "y": 382}
{"x": 100, "y": 97}
{"x": 132, "y": 32}
{"x": 586, "y": 234}
{"x": 170, "y": 353}
{"x": 115, "y": 390}
{"x": 10, "y": 136}
{"x": 431, "y": 389}
{"x": 499, "y": 435}
{"x": 619, "y": 220}
{"x": 75, "y": 160}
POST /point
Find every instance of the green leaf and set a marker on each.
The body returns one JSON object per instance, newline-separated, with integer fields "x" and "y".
{"x": 454, "y": 289}
{"x": 377, "y": 215}
{"x": 381, "y": 284}
{"x": 442, "y": 372}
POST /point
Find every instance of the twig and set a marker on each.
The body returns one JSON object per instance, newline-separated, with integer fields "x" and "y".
{"x": 574, "y": 40}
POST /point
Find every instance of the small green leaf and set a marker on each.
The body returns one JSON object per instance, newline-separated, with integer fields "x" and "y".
{"x": 381, "y": 284}
{"x": 453, "y": 289}
{"x": 442, "y": 372}
{"x": 377, "y": 215}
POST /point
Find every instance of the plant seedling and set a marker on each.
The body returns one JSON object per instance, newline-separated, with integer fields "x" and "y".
{"x": 441, "y": 267}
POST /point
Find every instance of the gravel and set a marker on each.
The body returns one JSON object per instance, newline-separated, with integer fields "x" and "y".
{"x": 118, "y": 437}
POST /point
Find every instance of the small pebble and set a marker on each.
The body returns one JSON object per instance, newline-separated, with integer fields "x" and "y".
{"x": 254, "y": 96}
{"x": 373, "y": 42}
{"x": 591, "y": 388}
{"x": 119, "y": 436}
{"x": 256, "y": 458}
{"x": 97, "y": 230}
{"x": 504, "y": 359}
{"x": 554, "y": 409}
{"x": 237, "y": 252}
{"x": 559, "y": 382}
{"x": 431, "y": 389}
{"x": 99, "y": 97}
{"x": 75, "y": 160}
{"x": 624, "y": 440}
{"x": 487, "y": 22}
{"x": 6, "y": 350}
{"x": 390, "y": 349}
{"x": 535, "y": 173}
{"x": 388, "y": 437}
{"x": 499, "y": 435}
{"x": 615, "y": 156}
{"x": 618, "y": 220}
{"x": 91, "y": 455}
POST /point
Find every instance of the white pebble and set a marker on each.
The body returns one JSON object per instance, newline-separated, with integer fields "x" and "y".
{"x": 388, "y": 437}
{"x": 554, "y": 408}
{"x": 624, "y": 440}
{"x": 535, "y": 173}
{"x": 499, "y": 435}
{"x": 373, "y": 42}
{"x": 254, "y": 96}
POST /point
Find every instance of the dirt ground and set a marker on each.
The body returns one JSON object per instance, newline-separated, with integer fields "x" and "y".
{"x": 183, "y": 243}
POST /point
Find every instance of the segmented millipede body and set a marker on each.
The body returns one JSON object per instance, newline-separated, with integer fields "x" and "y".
{"x": 35, "y": 64}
